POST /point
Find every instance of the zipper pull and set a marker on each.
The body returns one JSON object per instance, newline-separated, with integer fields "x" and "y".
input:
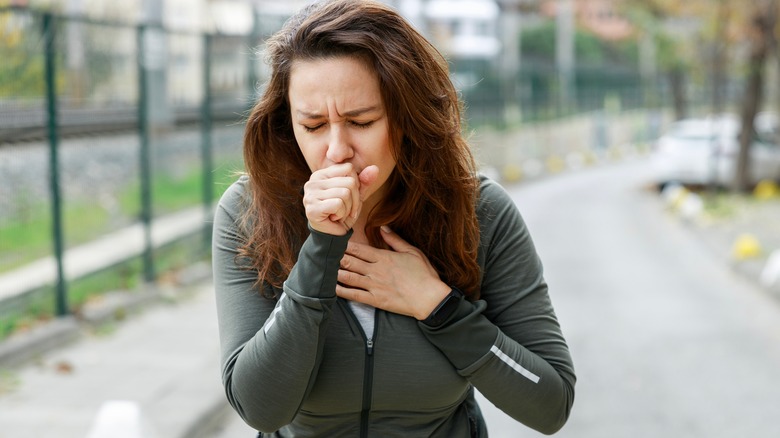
{"x": 370, "y": 346}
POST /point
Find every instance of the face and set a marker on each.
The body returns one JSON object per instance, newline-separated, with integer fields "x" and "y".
{"x": 338, "y": 117}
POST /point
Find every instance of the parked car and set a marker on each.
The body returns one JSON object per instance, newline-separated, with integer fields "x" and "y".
{"x": 704, "y": 151}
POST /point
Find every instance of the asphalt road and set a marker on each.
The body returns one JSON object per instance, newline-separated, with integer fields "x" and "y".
{"x": 667, "y": 340}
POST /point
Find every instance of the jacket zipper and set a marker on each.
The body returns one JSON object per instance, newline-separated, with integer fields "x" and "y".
{"x": 368, "y": 370}
{"x": 368, "y": 379}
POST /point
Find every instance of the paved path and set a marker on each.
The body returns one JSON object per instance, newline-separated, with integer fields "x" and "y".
{"x": 163, "y": 361}
{"x": 667, "y": 339}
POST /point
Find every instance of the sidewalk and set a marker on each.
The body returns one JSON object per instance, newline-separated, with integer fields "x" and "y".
{"x": 164, "y": 362}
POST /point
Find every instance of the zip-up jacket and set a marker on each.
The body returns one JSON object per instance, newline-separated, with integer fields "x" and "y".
{"x": 302, "y": 366}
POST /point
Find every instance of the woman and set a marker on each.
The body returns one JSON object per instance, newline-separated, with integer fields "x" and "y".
{"x": 367, "y": 278}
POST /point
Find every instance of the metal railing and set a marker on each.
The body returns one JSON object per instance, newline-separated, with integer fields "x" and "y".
{"x": 140, "y": 79}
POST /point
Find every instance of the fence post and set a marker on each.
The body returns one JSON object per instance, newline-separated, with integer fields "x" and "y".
{"x": 145, "y": 165}
{"x": 61, "y": 300}
{"x": 254, "y": 41}
{"x": 206, "y": 152}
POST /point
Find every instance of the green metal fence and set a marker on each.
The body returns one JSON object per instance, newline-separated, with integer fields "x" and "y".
{"x": 109, "y": 128}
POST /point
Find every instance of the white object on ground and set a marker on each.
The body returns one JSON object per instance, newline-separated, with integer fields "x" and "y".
{"x": 770, "y": 276}
{"x": 119, "y": 419}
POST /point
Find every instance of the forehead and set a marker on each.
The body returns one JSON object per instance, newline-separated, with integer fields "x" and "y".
{"x": 340, "y": 80}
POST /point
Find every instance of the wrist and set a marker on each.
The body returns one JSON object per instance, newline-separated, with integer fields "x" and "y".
{"x": 336, "y": 230}
{"x": 431, "y": 300}
{"x": 444, "y": 309}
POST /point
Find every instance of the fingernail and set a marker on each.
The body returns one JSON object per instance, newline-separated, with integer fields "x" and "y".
{"x": 385, "y": 228}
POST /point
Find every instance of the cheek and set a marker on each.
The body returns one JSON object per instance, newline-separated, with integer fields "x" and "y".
{"x": 309, "y": 153}
{"x": 386, "y": 164}
{"x": 390, "y": 153}
{"x": 306, "y": 144}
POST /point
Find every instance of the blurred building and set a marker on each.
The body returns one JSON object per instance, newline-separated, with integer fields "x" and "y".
{"x": 602, "y": 17}
{"x": 463, "y": 29}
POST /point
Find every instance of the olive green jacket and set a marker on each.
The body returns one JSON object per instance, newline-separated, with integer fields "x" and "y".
{"x": 301, "y": 366}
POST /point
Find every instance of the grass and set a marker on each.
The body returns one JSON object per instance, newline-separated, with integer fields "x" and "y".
{"x": 726, "y": 205}
{"x": 30, "y": 238}
{"x": 27, "y": 239}
{"x": 721, "y": 205}
{"x": 38, "y": 306}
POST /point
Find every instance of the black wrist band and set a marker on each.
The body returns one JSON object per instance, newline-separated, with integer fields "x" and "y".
{"x": 445, "y": 309}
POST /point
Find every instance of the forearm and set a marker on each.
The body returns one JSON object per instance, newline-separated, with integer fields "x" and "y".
{"x": 268, "y": 378}
{"x": 535, "y": 389}
{"x": 271, "y": 352}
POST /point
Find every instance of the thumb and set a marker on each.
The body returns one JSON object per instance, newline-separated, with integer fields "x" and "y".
{"x": 367, "y": 177}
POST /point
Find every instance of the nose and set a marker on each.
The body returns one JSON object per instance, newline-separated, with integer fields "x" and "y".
{"x": 339, "y": 147}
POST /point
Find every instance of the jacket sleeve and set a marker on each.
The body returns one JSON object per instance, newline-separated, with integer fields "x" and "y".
{"x": 509, "y": 344}
{"x": 271, "y": 349}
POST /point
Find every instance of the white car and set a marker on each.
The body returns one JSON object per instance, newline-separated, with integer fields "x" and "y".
{"x": 704, "y": 151}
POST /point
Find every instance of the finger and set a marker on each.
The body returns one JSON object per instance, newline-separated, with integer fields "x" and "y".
{"x": 332, "y": 209}
{"x": 396, "y": 242}
{"x": 343, "y": 194}
{"x": 317, "y": 185}
{"x": 350, "y": 181}
{"x": 362, "y": 252}
{"x": 334, "y": 171}
{"x": 353, "y": 280}
{"x": 344, "y": 188}
{"x": 367, "y": 177}
{"x": 357, "y": 295}
{"x": 357, "y": 202}
{"x": 354, "y": 264}
{"x": 342, "y": 176}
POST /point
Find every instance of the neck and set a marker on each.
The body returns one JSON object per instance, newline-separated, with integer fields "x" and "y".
{"x": 359, "y": 228}
{"x": 359, "y": 231}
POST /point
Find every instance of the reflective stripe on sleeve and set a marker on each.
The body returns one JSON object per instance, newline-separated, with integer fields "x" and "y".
{"x": 272, "y": 319}
{"x": 514, "y": 365}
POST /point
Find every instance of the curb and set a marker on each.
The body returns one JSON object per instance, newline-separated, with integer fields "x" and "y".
{"x": 21, "y": 348}
{"x": 552, "y": 164}
{"x": 747, "y": 255}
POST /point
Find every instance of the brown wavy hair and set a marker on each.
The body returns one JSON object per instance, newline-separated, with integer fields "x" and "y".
{"x": 432, "y": 192}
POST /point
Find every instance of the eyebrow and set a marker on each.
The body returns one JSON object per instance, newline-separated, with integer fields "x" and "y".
{"x": 353, "y": 113}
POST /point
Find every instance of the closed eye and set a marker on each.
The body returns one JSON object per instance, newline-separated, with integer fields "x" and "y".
{"x": 361, "y": 125}
{"x": 313, "y": 128}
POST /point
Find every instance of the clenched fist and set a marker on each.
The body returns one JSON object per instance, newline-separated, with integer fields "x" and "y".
{"x": 333, "y": 197}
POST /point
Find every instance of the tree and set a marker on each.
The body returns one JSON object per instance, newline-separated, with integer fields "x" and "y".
{"x": 21, "y": 71}
{"x": 761, "y": 37}
{"x": 719, "y": 54}
{"x": 649, "y": 16}
{"x": 749, "y": 25}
